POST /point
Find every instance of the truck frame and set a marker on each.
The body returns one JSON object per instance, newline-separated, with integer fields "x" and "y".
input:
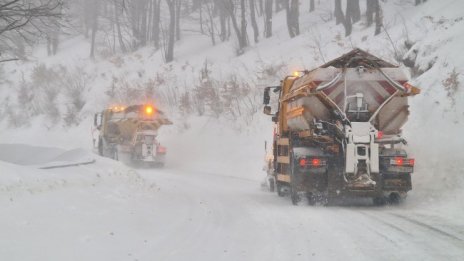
{"x": 338, "y": 132}
{"x": 130, "y": 134}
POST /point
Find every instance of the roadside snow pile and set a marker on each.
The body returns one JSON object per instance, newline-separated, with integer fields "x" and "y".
{"x": 43, "y": 157}
{"x": 20, "y": 171}
{"x": 21, "y": 154}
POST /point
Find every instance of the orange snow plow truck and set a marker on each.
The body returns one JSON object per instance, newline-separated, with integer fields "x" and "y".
{"x": 130, "y": 134}
{"x": 338, "y": 132}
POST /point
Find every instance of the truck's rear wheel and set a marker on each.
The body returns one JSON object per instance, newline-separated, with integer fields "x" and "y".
{"x": 394, "y": 198}
{"x": 279, "y": 188}
{"x": 294, "y": 184}
{"x": 311, "y": 198}
{"x": 379, "y": 201}
{"x": 333, "y": 184}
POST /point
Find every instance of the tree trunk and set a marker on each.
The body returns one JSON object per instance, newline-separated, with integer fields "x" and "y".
{"x": 212, "y": 33}
{"x": 355, "y": 11}
{"x": 95, "y": 6}
{"x": 260, "y": 7}
{"x": 279, "y": 5}
{"x": 143, "y": 25}
{"x": 118, "y": 28}
{"x": 292, "y": 12}
{"x": 243, "y": 24}
{"x": 347, "y": 22}
{"x": 242, "y": 43}
{"x": 369, "y": 12}
{"x": 202, "y": 31}
{"x": 339, "y": 17}
{"x": 222, "y": 20}
{"x": 311, "y": 6}
{"x": 169, "y": 53}
{"x": 156, "y": 23}
{"x": 268, "y": 18}
{"x": 253, "y": 21}
{"x": 295, "y": 8}
{"x": 378, "y": 17}
{"x": 178, "y": 10}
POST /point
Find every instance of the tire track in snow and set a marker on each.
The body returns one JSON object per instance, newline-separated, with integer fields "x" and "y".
{"x": 427, "y": 226}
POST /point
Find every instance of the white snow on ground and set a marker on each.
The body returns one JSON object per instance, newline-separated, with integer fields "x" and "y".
{"x": 207, "y": 204}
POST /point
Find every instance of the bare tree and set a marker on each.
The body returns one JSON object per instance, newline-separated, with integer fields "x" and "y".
{"x": 24, "y": 21}
{"x": 369, "y": 12}
{"x": 311, "y": 6}
{"x": 352, "y": 7}
{"x": 378, "y": 17}
{"x": 178, "y": 4}
{"x": 210, "y": 26}
{"x": 338, "y": 12}
{"x": 292, "y": 12}
{"x": 241, "y": 31}
{"x": 95, "y": 12}
{"x": 169, "y": 52}
{"x": 253, "y": 21}
{"x": 279, "y": 5}
{"x": 156, "y": 23}
{"x": 268, "y": 18}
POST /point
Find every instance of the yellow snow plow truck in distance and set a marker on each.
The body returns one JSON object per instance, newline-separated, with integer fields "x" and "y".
{"x": 338, "y": 131}
{"x": 130, "y": 134}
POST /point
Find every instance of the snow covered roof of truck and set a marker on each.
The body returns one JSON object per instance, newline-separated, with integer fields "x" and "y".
{"x": 357, "y": 57}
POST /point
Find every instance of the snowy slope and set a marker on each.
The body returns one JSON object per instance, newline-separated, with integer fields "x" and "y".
{"x": 207, "y": 204}
{"x": 434, "y": 29}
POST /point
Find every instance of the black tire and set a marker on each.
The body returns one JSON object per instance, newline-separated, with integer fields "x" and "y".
{"x": 379, "y": 201}
{"x": 271, "y": 184}
{"x": 114, "y": 154}
{"x": 311, "y": 198}
{"x": 293, "y": 183}
{"x": 394, "y": 199}
{"x": 279, "y": 186}
{"x": 333, "y": 185}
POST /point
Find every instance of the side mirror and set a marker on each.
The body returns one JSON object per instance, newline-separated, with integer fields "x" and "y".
{"x": 97, "y": 120}
{"x": 267, "y": 110}
{"x": 267, "y": 97}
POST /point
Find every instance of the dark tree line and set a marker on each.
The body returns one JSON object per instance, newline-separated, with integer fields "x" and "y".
{"x": 127, "y": 25}
{"x": 353, "y": 14}
{"x": 23, "y": 21}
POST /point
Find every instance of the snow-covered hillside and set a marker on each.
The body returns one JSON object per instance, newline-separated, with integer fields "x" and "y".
{"x": 107, "y": 211}
{"x": 429, "y": 36}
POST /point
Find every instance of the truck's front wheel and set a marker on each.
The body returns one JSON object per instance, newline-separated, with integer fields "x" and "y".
{"x": 271, "y": 184}
{"x": 100, "y": 146}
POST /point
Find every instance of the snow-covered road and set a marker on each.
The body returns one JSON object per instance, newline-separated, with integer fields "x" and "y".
{"x": 173, "y": 214}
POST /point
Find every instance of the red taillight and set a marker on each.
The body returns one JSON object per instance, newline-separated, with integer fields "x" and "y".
{"x": 379, "y": 134}
{"x": 398, "y": 161}
{"x": 312, "y": 162}
{"x": 316, "y": 162}
{"x": 161, "y": 150}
